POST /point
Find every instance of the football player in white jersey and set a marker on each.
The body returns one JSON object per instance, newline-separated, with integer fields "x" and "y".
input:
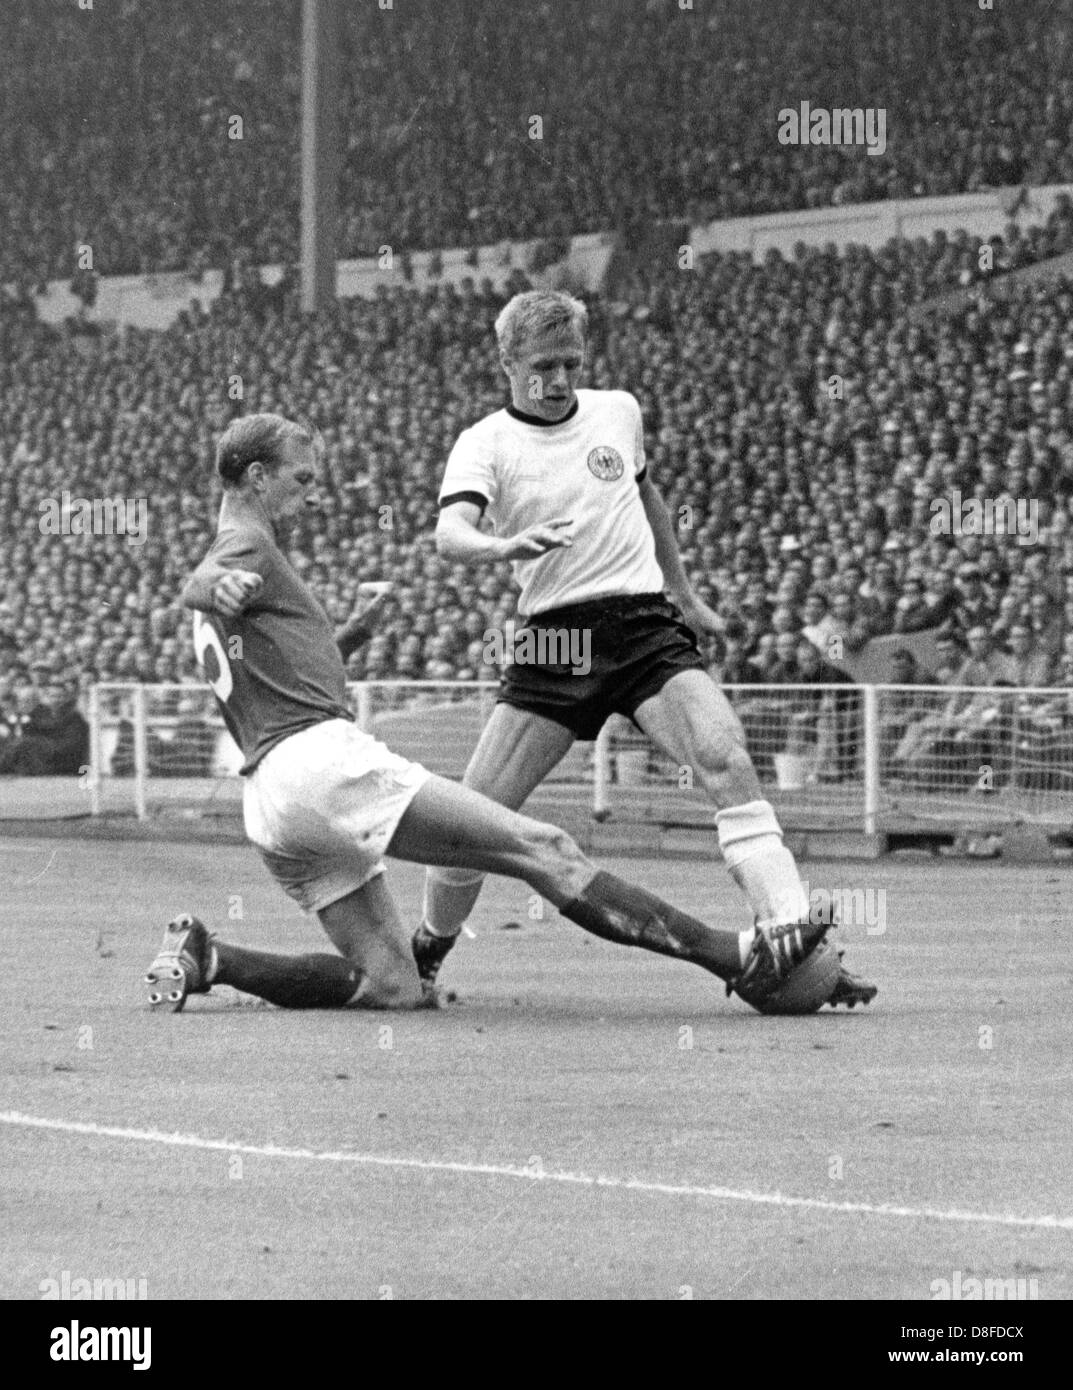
{"x": 561, "y": 474}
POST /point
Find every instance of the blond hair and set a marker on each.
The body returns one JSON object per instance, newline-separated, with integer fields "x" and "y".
{"x": 536, "y": 312}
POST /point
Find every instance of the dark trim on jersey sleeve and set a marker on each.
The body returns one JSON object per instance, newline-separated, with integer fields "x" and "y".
{"x": 516, "y": 414}
{"x": 477, "y": 498}
{"x": 643, "y": 474}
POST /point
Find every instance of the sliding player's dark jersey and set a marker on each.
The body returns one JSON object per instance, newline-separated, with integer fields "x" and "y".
{"x": 275, "y": 668}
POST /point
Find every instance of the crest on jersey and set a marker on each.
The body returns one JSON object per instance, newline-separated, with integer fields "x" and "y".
{"x": 606, "y": 464}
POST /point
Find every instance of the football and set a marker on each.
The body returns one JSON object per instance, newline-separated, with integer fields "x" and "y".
{"x": 808, "y": 986}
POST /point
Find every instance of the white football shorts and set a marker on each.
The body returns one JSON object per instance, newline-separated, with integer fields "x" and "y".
{"x": 322, "y": 807}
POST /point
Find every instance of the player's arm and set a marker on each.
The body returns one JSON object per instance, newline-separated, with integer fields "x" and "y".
{"x": 358, "y": 630}
{"x": 459, "y": 537}
{"x": 226, "y": 582}
{"x": 695, "y": 611}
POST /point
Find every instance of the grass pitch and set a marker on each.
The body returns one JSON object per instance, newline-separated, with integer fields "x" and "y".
{"x": 585, "y": 1122}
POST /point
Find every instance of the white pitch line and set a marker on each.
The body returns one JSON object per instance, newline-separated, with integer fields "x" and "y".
{"x": 507, "y": 1170}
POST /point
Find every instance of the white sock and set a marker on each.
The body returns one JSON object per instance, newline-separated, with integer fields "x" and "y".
{"x": 449, "y": 898}
{"x": 745, "y": 943}
{"x": 761, "y": 865}
{"x": 432, "y": 931}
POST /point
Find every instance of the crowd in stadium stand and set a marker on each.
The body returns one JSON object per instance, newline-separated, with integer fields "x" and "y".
{"x": 802, "y": 416}
{"x": 800, "y": 423}
{"x": 119, "y": 125}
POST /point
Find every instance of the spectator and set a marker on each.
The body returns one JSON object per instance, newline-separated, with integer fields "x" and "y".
{"x": 911, "y": 613}
{"x": 926, "y": 723}
{"x": 973, "y": 720}
{"x": 983, "y": 666}
{"x": 901, "y": 705}
{"x": 53, "y": 739}
{"x": 1025, "y": 665}
{"x": 819, "y": 626}
{"x": 1044, "y": 625}
{"x": 950, "y": 658}
{"x": 805, "y": 468}
{"x": 785, "y": 670}
{"x": 81, "y": 165}
{"x": 972, "y": 608}
{"x": 11, "y": 720}
{"x": 735, "y": 668}
{"x": 834, "y": 713}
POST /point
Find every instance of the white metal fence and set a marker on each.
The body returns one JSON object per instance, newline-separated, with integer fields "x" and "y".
{"x": 876, "y": 758}
{"x": 863, "y": 757}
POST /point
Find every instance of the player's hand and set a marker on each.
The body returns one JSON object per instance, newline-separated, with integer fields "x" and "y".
{"x": 234, "y": 590}
{"x": 702, "y": 619}
{"x": 538, "y": 540}
{"x": 372, "y": 595}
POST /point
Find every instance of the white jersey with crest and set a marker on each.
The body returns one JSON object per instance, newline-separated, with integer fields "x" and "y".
{"x": 586, "y": 467}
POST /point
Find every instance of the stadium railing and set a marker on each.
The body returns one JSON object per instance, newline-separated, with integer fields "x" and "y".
{"x": 869, "y": 758}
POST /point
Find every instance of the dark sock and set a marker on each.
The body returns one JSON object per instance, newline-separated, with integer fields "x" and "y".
{"x": 618, "y": 911}
{"x": 293, "y": 982}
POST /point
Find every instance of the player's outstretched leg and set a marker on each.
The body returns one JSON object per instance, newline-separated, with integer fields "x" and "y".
{"x": 691, "y": 721}
{"x": 374, "y": 968}
{"x": 767, "y": 954}
{"x": 515, "y": 752}
{"x": 455, "y": 827}
{"x": 191, "y": 960}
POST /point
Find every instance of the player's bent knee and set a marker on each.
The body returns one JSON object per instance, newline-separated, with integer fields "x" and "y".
{"x": 391, "y": 991}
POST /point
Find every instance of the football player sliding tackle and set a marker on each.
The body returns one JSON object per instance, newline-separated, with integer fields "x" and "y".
{"x": 561, "y": 474}
{"x": 325, "y": 803}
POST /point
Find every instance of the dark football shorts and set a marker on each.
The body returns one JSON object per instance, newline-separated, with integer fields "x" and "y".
{"x": 632, "y": 645}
